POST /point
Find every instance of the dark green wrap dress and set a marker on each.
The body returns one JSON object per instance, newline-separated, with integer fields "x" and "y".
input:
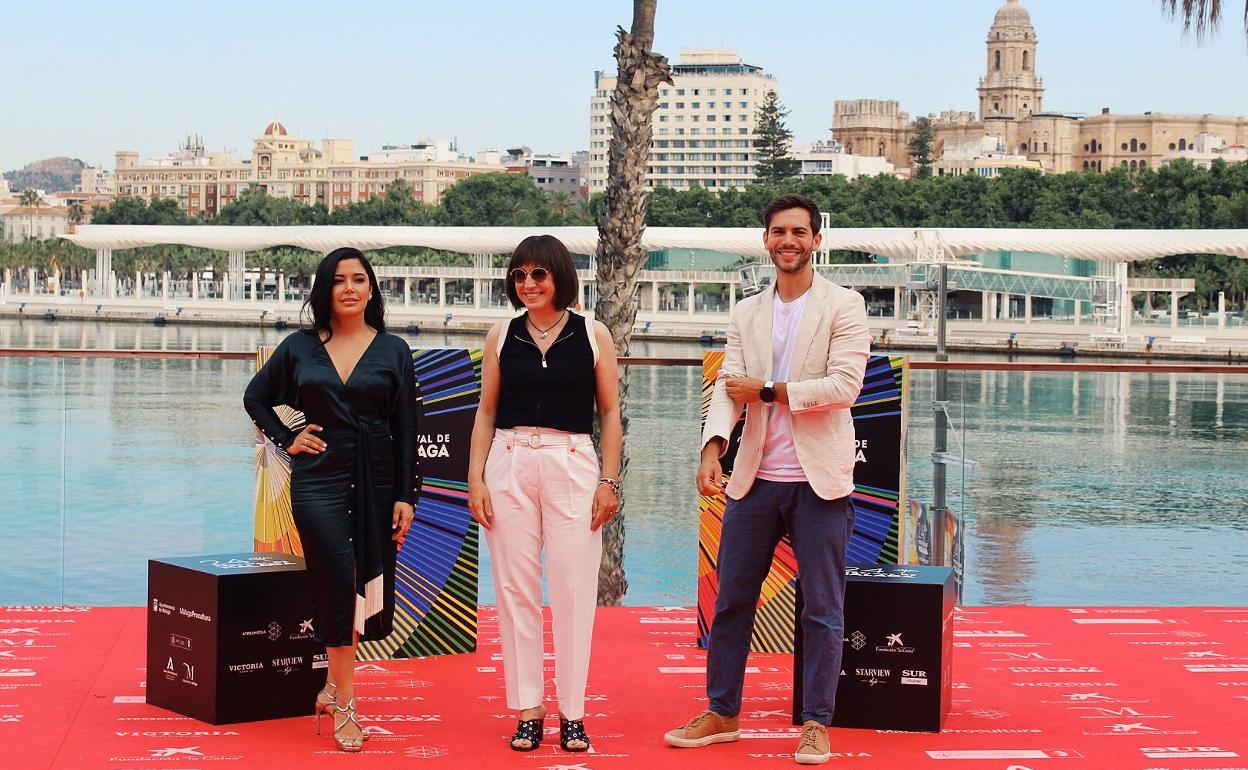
{"x": 343, "y": 498}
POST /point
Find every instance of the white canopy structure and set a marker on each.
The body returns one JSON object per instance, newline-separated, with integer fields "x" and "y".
{"x": 897, "y": 243}
{"x": 900, "y": 244}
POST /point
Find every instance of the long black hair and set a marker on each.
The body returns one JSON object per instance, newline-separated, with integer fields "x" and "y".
{"x": 317, "y": 311}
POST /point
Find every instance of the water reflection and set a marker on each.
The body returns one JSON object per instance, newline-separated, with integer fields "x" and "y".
{"x": 68, "y": 335}
{"x": 1080, "y": 474}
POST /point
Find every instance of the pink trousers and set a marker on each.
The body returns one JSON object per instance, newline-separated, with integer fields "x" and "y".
{"x": 541, "y": 484}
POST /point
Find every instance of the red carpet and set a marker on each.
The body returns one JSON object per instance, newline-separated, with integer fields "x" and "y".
{"x": 1035, "y": 687}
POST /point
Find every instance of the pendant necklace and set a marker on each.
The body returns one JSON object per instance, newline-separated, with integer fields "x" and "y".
{"x": 544, "y": 333}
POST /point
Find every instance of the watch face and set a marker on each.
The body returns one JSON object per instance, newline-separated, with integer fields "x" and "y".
{"x": 767, "y": 394}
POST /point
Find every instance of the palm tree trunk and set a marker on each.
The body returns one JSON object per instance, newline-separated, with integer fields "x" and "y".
{"x": 620, "y": 256}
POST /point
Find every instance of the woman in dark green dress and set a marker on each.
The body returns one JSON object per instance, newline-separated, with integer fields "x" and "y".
{"x": 353, "y": 466}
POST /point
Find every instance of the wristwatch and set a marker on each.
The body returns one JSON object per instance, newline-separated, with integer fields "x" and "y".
{"x": 768, "y": 392}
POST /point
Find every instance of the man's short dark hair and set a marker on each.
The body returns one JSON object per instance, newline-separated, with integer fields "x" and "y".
{"x": 549, "y": 252}
{"x": 793, "y": 201}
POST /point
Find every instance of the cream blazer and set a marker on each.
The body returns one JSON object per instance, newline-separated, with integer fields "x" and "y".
{"x": 829, "y": 360}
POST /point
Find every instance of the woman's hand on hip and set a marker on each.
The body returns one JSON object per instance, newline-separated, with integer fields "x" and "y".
{"x": 479, "y": 504}
{"x": 305, "y": 442}
{"x": 606, "y": 505}
{"x": 401, "y": 522}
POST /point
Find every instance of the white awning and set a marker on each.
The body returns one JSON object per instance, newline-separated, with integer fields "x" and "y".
{"x": 897, "y": 243}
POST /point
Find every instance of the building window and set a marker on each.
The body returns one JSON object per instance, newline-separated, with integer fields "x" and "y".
{"x": 1026, "y": 63}
{"x": 1182, "y": 144}
{"x": 1135, "y": 146}
{"x": 1124, "y": 146}
{"x": 997, "y": 58}
{"x": 1143, "y": 147}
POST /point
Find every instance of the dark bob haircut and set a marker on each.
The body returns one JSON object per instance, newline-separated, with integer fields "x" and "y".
{"x": 793, "y": 201}
{"x": 549, "y": 252}
{"x": 317, "y": 310}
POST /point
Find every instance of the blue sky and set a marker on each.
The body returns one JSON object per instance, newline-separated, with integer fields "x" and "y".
{"x": 87, "y": 78}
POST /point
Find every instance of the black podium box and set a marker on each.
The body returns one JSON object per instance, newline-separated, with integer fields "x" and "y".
{"x": 230, "y": 637}
{"x": 897, "y": 663}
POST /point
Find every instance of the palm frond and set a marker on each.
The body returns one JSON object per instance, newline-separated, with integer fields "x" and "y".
{"x": 1201, "y": 17}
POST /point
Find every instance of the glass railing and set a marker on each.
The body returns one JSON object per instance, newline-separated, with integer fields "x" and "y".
{"x": 1083, "y": 483}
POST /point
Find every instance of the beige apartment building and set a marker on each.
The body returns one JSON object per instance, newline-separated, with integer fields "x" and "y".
{"x": 703, "y": 127}
{"x": 1011, "y": 113}
{"x": 286, "y": 167}
{"x": 24, "y": 223}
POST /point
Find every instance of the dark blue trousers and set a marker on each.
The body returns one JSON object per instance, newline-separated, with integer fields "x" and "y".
{"x": 753, "y": 525}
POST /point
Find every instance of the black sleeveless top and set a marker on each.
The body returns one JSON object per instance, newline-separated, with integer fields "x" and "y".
{"x": 552, "y": 391}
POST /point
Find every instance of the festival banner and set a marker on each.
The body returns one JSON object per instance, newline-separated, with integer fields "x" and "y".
{"x": 879, "y": 496}
{"x": 436, "y": 581}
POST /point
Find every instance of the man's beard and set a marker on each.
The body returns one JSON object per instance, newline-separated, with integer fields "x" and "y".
{"x": 800, "y": 266}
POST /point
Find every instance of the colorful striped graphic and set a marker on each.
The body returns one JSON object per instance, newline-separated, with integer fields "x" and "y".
{"x": 879, "y": 492}
{"x": 436, "y": 580}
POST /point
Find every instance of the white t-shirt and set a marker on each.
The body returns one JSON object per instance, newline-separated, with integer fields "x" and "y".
{"x": 779, "y": 461}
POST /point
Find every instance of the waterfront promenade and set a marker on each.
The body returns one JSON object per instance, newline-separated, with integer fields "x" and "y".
{"x": 1206, "y": 339}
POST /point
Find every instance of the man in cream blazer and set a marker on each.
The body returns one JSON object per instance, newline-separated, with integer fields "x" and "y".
{"x": 795, "y": 360}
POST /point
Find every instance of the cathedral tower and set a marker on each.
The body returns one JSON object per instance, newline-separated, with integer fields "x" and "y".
{"x": 1010, "y": 89}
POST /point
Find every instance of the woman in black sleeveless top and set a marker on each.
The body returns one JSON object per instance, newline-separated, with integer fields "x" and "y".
{"x": 534, "y": 483}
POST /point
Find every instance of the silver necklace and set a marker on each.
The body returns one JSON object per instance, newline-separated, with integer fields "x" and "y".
{"x": 544, "y": 333}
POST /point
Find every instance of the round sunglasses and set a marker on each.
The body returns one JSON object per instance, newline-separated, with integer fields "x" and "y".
{"x": 538, "y": 274}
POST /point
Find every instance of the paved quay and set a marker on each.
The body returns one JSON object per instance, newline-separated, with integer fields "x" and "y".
{"x": 1013, "y": 336}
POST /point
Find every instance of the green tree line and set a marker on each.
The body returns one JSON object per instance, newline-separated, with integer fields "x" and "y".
{"x": 1179, "y": 195}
